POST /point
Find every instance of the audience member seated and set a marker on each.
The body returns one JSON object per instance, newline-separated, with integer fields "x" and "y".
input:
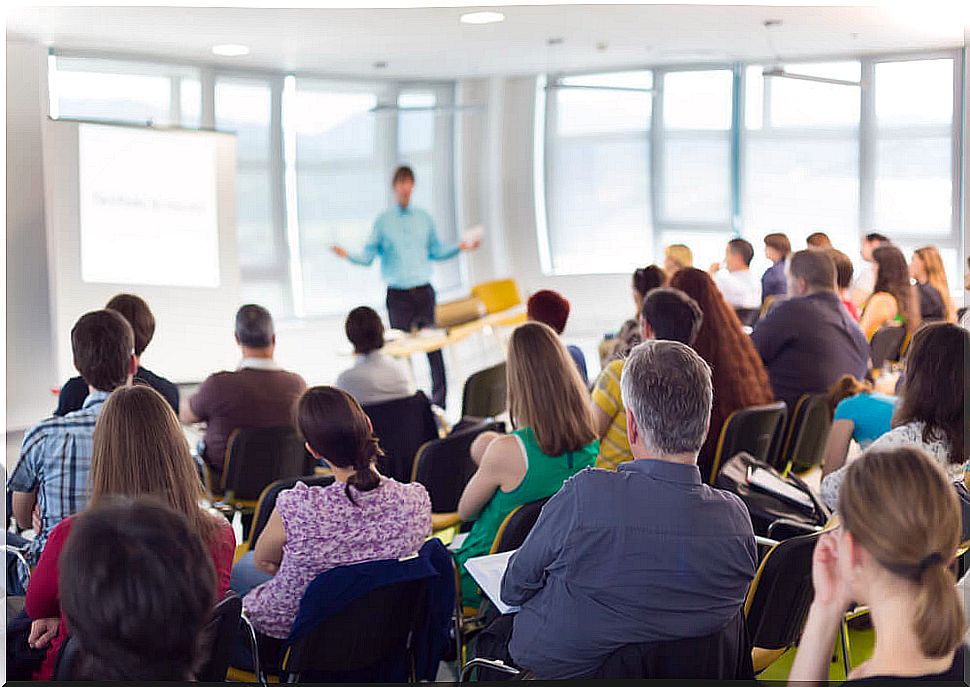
{"x": 843, "y": 279}
{"x": 645, "y": 279}
{"x": 135, "y": 311}
{"x": 375, "y": 377}
{"x": 740, "y": 378}
{"x": 774, "y": 282}
{"x": 900, "y": 528}
{"x": 677, "y": 256}
{"x": 647, "y": 553}
{"x": 668, "y": 314}
{"x": 257, "y": 394}
{"x": 50, "y": 481}
{"x": 552, "y": 309}
{"x": 138, "y": 450}
{"x": 865, "y": 279}
{"x": 894, "y": 297}
{"x": 739, "y": 285}
{"x": 818, "y": 240}
{"x": 137, "y": 589}
{"x": 554, "y": 439}
{"x": 362, "y": 516}
{"x": 859, "y": 414}
{"x": 926, "y": 268}
{"x": 929, "y": 414}
{"x": 810, "y": 340}
{"x": 965, "y": 319}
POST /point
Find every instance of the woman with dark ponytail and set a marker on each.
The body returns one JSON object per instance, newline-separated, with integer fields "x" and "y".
{"x": 362, "y": 516}
{"x": 899, "y": 534}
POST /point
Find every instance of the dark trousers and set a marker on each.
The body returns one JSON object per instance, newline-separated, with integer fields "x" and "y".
{"x": 411, "y": 309}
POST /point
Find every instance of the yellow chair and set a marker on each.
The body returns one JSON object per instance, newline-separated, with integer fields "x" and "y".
{"x": 497, "y": 295}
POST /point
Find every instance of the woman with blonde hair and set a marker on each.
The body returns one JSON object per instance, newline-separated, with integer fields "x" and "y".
{"x": 139, "y": 450}
{"x": 554, "y": 438}
{"x": 899, "y": 533}
{"x": 926, "y": 267}
{"x": 677, "y": 256}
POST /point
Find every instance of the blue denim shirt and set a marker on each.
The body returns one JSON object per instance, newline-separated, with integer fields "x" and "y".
{"x": 646, "y": 553}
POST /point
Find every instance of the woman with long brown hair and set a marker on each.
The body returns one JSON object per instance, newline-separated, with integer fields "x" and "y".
{"x": 554, "y": 438}
{"x": 739, "y": 376}
{"x": 926, "y": 268}
{"x": 139, "y": 450}
{"x": 899, "y": 532}
{"x": 893, "y": 296}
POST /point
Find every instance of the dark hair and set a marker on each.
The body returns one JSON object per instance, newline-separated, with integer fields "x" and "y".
{"x": 254, "y": 326}
{"x": 672, "y": 315}
{"x": 402, "y": 173}
{"x": 934, "y": 384}
{"x": 843, "y": 268}
{"x": 743, "y": 249}
{"x": 893, "y": 278}
{"x": 845, "y": 387}
{"x": 364, "y": 329}
{"x": 779, "y": 242}
{"x": 137, "y": 586}
{"x": 877, "y": 237}
{"x": 136, "y": 311}
{"x": 337, "y": 428}
{"x": 549, "y": 307}
{"x": 818, "y": 239}
{"x": 103, "y": 343}
{"x": 645, "y": 279}
{"x": 815, "y": 267}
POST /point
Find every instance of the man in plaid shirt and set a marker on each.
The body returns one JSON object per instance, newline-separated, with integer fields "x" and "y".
{"x": 50, "y": 481}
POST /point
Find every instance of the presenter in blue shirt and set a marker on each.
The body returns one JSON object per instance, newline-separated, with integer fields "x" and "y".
{"x": 406, "y": 240}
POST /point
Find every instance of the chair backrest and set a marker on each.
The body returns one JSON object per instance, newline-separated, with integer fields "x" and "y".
{"x": 497, "y": 295}
{"x": 219, "y": 637}
{"x": 516, "y": 526}
{"x": 757, "y": 430}
{"x": 267, "y": 501}
{"x": 748, "y": 316}
{"x": 721, "y": 655}
{"x": 485, "y": 393}
{"x": 781, "y": 593}
{"x": 808, "y": 430}
{"x": 402, "y": 425}
{"x": 363, "y": 634}
{"x": 258, "y": 456}
{"x": 444, "y": 466}
{"x": 886, "y": 345}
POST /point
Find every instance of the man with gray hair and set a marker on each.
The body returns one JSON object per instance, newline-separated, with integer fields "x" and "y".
{"x": 647, "y": 553}
{"x": 257, "y": 394}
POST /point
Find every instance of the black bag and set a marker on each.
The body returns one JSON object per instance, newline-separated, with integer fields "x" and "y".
{"x": 493, "y": 642}
{"x": 763, "y": 506}
{"x": 22, "y": 661}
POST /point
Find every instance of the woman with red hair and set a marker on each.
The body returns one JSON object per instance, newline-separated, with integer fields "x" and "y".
{"x": 739, "y": 377}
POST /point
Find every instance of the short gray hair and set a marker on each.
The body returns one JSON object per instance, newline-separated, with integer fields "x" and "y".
{"x": 254, "y": 326}
{"x": 667, "y": 387}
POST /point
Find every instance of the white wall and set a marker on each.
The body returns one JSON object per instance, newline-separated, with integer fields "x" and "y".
{"x": 30, "y": 358}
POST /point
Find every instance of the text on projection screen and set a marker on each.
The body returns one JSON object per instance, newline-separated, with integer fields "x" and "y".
{"x": 148, "y": 207}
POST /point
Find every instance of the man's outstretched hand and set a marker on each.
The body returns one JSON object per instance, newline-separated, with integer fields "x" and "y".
{"x": 470, "y": 245}
{"x": 339, "y": 251}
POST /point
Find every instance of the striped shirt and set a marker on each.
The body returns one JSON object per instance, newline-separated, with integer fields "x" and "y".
{"x": 55, "y": 459}
{"x": 614, "y": 447}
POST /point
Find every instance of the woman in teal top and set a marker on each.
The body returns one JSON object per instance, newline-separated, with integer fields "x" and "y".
{"x": 860, "y": 414}
{"x": 555, "y": 438}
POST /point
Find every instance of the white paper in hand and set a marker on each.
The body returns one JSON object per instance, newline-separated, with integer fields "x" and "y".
{"x": 473, "y": 234}
{"x": 487, "y": 571}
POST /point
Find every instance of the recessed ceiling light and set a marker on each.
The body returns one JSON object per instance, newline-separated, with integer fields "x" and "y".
{"x": 230, "y": 50}
{"x": 481, "y": 17}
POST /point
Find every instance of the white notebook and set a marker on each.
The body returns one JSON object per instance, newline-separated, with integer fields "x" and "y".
{"x": 487, "y": 571}
{"x": 765, "y": 480}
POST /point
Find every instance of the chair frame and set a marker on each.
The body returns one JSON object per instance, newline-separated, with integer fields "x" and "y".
{"x": 773, "y": 449}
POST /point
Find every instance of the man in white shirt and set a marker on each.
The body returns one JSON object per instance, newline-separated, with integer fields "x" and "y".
{"x": 375, "y": 377}
{"x": 740, "y": 286}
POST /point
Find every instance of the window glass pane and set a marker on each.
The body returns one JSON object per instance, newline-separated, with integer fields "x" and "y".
{"x": 190, "y": 100}
{"x": 919, "y": 92}
{"x": 243, "y": 107}
{"x": 332, "y": 125}
{"x": 698, "y": 100}
{"x": 254, "y": 218}
{"x": 415, "y": 129}
{"x": 133, "y": 98}
{"x": 580, "y": 111}
{"x": 796, "y": 103}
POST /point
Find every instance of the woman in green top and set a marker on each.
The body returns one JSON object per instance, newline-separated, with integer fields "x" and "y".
{"x": 554, "y": 439}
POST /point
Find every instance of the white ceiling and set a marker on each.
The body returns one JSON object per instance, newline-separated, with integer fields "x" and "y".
{"x": 430, "y": 42}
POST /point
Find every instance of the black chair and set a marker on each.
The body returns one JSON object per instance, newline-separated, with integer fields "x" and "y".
{"x": 808, "y": 430}
{"x": 219, "y": 637}
{"x": 267, "y": 501}
{"x": 886, "y": 345}
{"x": 355, "y": 640}
{"x": 485, "y": 393}
{"x": 516, "y": 526}
{"x": 758, "y": 430}
{"x": 402, "y": 425}
{"x": 444, "y": 467}
{"x": 779, "y": 597}
{"x": 748, "y": 316}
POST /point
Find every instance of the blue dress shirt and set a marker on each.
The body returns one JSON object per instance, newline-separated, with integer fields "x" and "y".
{"x": 407, "y": 242}
{"x": 646, "y": 553}
{"x": 774, "y": 282}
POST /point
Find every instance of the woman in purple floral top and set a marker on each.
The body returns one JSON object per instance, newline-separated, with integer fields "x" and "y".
{"x": 362, "y": 516}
